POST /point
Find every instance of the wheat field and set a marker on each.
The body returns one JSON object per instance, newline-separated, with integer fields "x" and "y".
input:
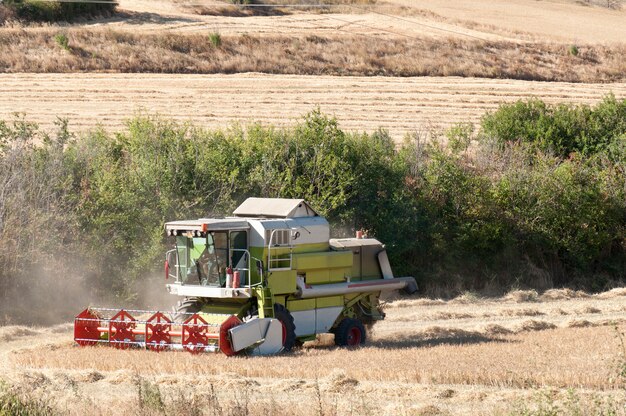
{"x": 399, "y": 105}
{"x": 468, "y": 355}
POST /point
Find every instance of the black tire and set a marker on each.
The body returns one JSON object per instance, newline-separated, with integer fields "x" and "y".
{"x": 289, "y": 328}
{"x": 185, "y": 307}
{"x": 350, "y": 333}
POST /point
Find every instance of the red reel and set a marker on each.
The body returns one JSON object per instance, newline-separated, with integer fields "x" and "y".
{"x": 158, "y": 329}
{"x": 86, "y": 328}
{"x": 121, "y": 328}
{"x": 195, "y": 334}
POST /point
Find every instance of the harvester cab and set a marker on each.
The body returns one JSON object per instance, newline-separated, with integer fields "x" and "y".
{"x": 257, "y": 282}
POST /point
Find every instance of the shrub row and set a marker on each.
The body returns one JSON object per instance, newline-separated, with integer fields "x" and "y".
{"x": 483, "y": 211}
{"x": 57, "y": 11}
{"x": 561, "y": 129}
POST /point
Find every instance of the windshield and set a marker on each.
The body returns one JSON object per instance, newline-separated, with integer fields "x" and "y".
{"x": 203, "y": 260}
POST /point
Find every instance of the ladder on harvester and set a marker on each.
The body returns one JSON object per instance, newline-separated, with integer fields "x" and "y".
{"x": 265, "y": 298}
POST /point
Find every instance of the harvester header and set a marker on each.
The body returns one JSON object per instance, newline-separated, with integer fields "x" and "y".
{"x": 261, "y": 281}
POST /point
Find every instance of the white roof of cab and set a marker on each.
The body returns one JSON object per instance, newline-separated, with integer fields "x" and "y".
{"x": 208, "y": 224}
{"x": 274, "y": 208}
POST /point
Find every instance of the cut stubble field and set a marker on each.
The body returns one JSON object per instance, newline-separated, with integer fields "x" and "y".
{"x": 466, "y": 355}
{"x": 399, "y": 105}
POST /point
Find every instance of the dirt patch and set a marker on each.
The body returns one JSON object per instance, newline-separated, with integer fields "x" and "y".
{"x": 338, "y": 382}
{"x": 449, "y": 315}
{"x": 579, "y": 323}
{"x": 522, "y": 312}
{"x": 89, "y": 376}
{"x": 588, "y": 310}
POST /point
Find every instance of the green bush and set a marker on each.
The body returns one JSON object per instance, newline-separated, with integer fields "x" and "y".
{"x": 215, "y": 39}
{"x": 456, "y": 219}
{"x": 12, "y": 403}
{"x": 6, "y": 14}
{"x": 62, "y": 40}
{"x": 50, "y": 11}
{"x": 560, "y": 129}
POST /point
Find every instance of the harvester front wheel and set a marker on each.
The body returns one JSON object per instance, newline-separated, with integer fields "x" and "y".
{"x": 350, "y": 333}
{"x": 185, "y": 308}
{"x": 289, "y": 328}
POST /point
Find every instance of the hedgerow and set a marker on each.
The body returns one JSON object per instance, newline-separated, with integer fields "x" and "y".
{"x": 486, "y": 211}
{"x": 57, "y": 11}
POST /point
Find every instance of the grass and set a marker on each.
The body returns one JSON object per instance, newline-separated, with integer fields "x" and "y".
{"x": 16, "y": 403}
{"x": 384, "y": 378}
{"x": 109, "y": 50}
{"x": 455, "y": 356}
{"x": 62, "y": 40}
{"x": 215, "y": 39}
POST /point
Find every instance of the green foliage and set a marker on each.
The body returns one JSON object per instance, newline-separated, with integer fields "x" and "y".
{"x": 564, "y": 207}
{"x": 460, "y": 136}
{"x": 50, "y": 11}
{"x": 62, "y": 40}
{"x": 215, "y": 39}
{"x": 560, "y": 129}
{"x": 573, "y": 50}
{"x": 12, "y": 403}
{"x": 149, "y": 397}
{"x": 483, "y": 216}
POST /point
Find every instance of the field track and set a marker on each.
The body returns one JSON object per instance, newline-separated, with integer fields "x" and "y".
{"x": 400, "y": 105}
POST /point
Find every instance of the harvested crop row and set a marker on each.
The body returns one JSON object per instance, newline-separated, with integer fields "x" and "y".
{"x": 400, "y": 105}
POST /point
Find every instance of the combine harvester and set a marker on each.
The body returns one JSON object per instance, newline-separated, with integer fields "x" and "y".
{"x": 258, "y": 282}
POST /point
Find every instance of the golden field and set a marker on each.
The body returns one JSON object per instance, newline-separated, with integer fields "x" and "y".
{"x": 466, "y": 355}
{"x": 363, "y": 61}
{"x": 400, "y": 105}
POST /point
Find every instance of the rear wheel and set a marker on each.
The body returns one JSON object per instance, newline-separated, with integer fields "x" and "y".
{"x": 350, "y": 333}
{"x": 289, "y": 328}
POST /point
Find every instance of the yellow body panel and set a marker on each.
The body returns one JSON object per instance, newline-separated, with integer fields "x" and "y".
{"x": 282, "y": 282}
{"x": 322, "y": 260}
{"x": 300, "y": 305}
{"x": 316, "y": 277}
{"x": 329, "y": 301}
